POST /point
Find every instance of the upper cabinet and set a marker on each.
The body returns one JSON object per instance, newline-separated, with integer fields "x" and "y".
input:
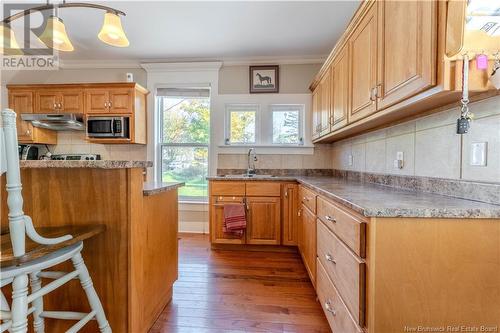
{"x": 397, "y": 59}
{"x": 117, "y": 99}
{"x": 58, "y": 101}
{"x": 363, "y": 45}
{"x": 407, "y": 39}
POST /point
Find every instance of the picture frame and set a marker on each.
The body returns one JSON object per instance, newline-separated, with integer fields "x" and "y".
{"x": 264, "y": 79}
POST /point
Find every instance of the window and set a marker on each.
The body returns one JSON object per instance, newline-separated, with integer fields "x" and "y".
{"x": 287, "y": 124}
{"x": 184, "y": 138}
{"x": 241, "y": 124}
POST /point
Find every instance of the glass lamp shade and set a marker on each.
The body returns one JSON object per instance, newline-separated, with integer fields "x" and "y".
{"x": 55, "y": 35}
{"x": 8, "y": 41}
{"x": 112, "y": 32}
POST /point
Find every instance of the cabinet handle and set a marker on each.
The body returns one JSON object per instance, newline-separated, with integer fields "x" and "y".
{"x": 329, "y": 258}
{"x": 373, "y": 93}
{"x": 332, "y": 120}
{"x": 378, "y": 90}
{"x": 299, "y": 212}
{"x": 329, "y": 308}
{"x": 330, "y": 219}
{"x": 55, "y": 106}
{"x": 110, "y": 104}
{"x": 286, "y": 194}
{"x": 105, "y": 104}
{"x": 59, "y": 106}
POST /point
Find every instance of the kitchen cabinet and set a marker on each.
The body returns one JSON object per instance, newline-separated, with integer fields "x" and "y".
{"x": 263, "y": 221}
{"x": 117, "y": 99}
{"x": 316, "y": 113}
{"x": 289, "y": 215}
{"x": 58, "y": 101}
{"x": 307, "y": 241}
{"x": 21, "y": 101}
{"x": 217, "y": 234}
{"x": 325, "y": 111}
{"x": 407, "y": 42}
{"x": 363, "y": 50}
{"x": 340, "y": 90}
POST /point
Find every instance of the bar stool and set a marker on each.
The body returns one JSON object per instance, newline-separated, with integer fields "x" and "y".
{"x": 24, "y": 259}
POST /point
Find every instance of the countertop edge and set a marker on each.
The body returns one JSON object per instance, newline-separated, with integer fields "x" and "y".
{"x": 99, "y": 164}
{"x": 152, "y": 188}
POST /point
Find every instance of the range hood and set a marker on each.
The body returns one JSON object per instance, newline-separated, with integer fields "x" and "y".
{"x": 56, "y": 122}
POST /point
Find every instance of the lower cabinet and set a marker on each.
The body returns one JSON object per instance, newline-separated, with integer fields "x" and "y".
{"x": 217, "y": 233}
{"x": 263, "y": 220}
{"x": 307, "y": 241}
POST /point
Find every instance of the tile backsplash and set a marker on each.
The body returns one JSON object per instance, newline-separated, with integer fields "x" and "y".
{"x": 74, "y": 143}
{"x": 430, "y": 146}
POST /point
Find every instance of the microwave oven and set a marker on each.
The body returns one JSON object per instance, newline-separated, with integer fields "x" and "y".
{"x": 108, "y": 127}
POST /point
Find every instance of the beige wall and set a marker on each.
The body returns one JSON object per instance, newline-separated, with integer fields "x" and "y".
{"x": 320, "y": 159}
{"x": 294, "y": 79}
{"x": 430, "y": 145}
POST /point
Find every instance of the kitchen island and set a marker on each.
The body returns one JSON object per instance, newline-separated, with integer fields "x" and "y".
{"x": 134, "y": 262}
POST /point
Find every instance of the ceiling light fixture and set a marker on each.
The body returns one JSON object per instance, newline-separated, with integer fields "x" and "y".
{"x": 55, "y": 35}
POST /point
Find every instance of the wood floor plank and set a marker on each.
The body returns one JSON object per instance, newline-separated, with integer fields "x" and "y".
{"x": 240, "y": 291}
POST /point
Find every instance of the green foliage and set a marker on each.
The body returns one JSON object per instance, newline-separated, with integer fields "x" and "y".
{"x": 243, "y": 126}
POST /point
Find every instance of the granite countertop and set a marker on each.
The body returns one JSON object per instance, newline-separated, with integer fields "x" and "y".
{"x": 373, "y": 200}
{"x": 100, "y": 164}
{"x": 152, "y": 188}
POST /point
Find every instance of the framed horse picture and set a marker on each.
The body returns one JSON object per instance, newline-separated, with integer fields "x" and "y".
{"x": 264, "y": 79}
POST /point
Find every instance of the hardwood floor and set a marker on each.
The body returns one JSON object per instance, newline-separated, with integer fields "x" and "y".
{"x": 240, "y": 291}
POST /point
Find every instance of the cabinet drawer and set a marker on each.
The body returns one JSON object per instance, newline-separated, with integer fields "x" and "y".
{"x": 308, "y": 198}
{"x": 335, "y": 309}
{"x": 345, "y": 269}
{"x": 263, "y": 189}
{"x": 349, "y": 228}
{"x": 227, "y": 188}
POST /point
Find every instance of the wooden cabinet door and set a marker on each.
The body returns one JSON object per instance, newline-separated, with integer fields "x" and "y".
{"x": 363, "y": 44}
{"x": 96, "y": 101}
{"x": 22, "y": 102}
{"x": 340, "y": 89}
{"x": 316, "y": 105}
{"x": 289, "y": 214}
{"x": 71, "y": 101}
{"x": 325, "y": 103}
{"x": 308, "y": 235}
{"x": 46, "y": 101}
{"x": 407, "y": 49}
{"x": 217, "y": 234}
{"x": 263, "y": 220}
{"x": 121, "y": 101}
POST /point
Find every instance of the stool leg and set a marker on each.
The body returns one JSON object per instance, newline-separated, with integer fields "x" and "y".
{"x": 92, "y": 297}
{"x": 20, "y": 304}
{"x": 38, "y": 322}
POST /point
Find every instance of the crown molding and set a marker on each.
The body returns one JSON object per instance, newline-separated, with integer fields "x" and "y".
{"x": 99, "y": 64}
{"x": 181, "y": 66}
{"x": 192, "y": 64}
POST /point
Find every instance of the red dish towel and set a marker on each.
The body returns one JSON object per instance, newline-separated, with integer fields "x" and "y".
{"x": 235, "y": 221}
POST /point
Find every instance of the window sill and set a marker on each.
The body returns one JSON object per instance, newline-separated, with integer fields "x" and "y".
{"x": 267, "y": 149}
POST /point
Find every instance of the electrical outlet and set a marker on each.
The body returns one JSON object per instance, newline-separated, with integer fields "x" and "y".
{"x": 478, "y": 154}
{"x": 399, "y": 161}
{"x": 351, "y": 160}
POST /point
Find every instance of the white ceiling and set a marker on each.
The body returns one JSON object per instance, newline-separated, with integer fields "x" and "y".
{"x": 168, "y": 30}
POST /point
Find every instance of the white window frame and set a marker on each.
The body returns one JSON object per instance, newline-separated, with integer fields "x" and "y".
{"x": 287, "y": 107}
{"x": 161, "y": 144}
{"x": 239, "y": 107}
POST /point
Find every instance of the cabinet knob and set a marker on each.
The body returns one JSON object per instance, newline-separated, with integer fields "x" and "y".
{"x": 330, "y": 219}
{"x": 59, "y": 105}
{"x": 329, "y": 258}
{"x": 55, "y": 106}
{"x": 110, "y": 104}
{"x": 329, "y": 308}
{"x": 286, "y": 194}
{"x": 28, "y": 132}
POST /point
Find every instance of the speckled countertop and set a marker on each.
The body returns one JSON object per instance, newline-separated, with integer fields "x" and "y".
{"x": 101, "y": 164}
{"x": 152, "y": 188}
{"x": 373, "y": 200}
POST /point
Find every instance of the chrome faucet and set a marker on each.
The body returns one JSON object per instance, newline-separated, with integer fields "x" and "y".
{"x": 252, "y": 158}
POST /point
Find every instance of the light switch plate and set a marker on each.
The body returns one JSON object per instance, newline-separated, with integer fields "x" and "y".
{"x": 478, "y": 153}
{"x": 351, "y": 160}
